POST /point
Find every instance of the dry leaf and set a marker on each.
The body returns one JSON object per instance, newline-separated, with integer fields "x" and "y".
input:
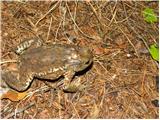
{"x": 14, "y": 95}
{"x": 98, "y": 50}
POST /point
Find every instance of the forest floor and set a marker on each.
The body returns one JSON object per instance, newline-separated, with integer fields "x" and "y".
{"x": 121, "y": 83}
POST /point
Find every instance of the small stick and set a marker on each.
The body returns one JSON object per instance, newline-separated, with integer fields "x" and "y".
{"x": 114, "y": 14}
{"x": 129, "y": 41}
{"x": 49, "y": 29}
{"x": 74, "y": 108}
{"x": 143, "y": 82}
{"x": 59, "y": 101}
{"x": 95, "y": 13}
{"x": 8, "y": 61}
{"x": 76, "y": 24}
{"x": 75, "y": 13}
{"x": 20, "y": 110}
{"x": 60, "y": 23}
{"x": 47, "y": 13}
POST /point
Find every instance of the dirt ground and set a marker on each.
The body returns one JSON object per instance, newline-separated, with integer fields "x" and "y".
{"x": 121, "y": 83}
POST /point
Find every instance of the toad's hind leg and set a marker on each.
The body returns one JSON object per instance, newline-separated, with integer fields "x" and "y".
{"x": 28, "y": 44}
{"x": 64, "y": 82}
{"x": 68, "y": 78}
{"x": 15, "y": 81}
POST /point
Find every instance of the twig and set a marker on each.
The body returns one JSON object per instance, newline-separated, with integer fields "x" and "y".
{"x": 114, "y": 14}
{"x": 75, "y": 12}
{"x": 127, "y": 16}
{"x": 8, "y": 61}
{"x": 29, "y": 95}
{"x": 58, "y": 30}
{"x": 50, "y": 10}
{"x": 95, "y": 13}
{"x": 20, "y": 110}
{"x": 6, "y": 108}
{"x": 52, "y": 96}
{"x": 142, "y": 82}
{"x": 74, "y": 108}
{"x": 134, "y": 29}
{"x": 126, "y": 109}
{"x": 5, "y": 54}
{"x": 77, "y": 25}
{"x": 138, "y": 35}
{"x": 129, "y": 41}
{"x": 32, "y": 24}
{"x": 103, "y": 97}
{"x": 49, "y": 29}
{"x": 59, "y": 109}
{"x": 60, "y": 22}
{"x": 113, "y": 18}
{"x": 44, "y": 88}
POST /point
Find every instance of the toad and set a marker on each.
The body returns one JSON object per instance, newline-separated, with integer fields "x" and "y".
{"x": 46, "y": 61}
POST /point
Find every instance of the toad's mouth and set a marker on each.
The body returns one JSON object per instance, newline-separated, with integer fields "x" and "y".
{"x": 78, "y": 62}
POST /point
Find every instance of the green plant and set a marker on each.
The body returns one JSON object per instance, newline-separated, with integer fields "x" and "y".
{"x": 149, "y": 15}
{"x": 154, "y": 51}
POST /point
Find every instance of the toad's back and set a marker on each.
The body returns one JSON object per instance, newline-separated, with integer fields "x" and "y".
{"x": 45, "y": 57}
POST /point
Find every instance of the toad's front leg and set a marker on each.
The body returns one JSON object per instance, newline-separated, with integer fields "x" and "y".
{"x": 16, "y": 81}
{"x": 67, "y": 86}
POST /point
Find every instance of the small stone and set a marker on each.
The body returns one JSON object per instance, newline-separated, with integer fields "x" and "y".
{"x": 128, "y": 55}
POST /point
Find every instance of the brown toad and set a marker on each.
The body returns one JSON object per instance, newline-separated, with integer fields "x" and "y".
{"x": 46, "y": 62}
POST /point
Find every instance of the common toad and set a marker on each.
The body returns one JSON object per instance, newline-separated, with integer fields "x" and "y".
{"x": 43, "y": 61}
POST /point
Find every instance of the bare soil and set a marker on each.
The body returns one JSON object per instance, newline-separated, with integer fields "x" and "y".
{"x": 122, "y": 80}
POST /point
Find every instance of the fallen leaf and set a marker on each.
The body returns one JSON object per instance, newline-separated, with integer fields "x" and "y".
{"x": 98, "y": 50}
{"x": 14, "y": 95}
